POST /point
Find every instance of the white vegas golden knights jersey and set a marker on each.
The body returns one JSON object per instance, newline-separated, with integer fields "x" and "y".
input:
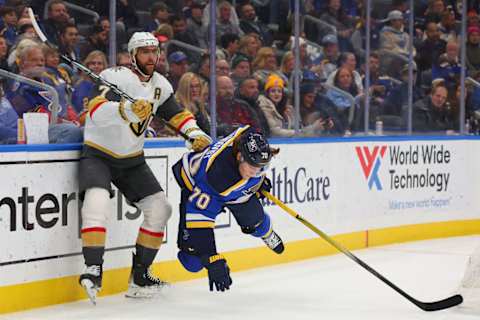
{"x": 106, "y": 129}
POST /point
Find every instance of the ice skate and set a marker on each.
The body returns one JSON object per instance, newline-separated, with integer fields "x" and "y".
{"x": 273, "y": 241}
{"x": 142, "y": 284}
{"x": 91, "y": 281}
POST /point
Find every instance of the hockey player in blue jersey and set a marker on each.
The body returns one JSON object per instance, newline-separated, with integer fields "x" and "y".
{"x": 228, "y": 174}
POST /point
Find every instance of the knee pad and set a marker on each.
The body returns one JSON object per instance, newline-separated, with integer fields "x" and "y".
{"x": 190, "y": 262}
{"x": 156, "y": 211}
{"x": 260, "y": 229}
{"x": 96, "y": 206}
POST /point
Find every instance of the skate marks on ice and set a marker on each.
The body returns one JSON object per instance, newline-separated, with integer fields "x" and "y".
{"x": 331, "y": 288}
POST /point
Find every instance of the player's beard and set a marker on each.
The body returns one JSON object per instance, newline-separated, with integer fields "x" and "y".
{"x": 147, "y": 69}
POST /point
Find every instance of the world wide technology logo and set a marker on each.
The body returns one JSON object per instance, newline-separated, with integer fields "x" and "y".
{"x": 370, "y": 161}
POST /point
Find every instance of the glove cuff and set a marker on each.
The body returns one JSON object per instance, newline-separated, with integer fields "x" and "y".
{"x": 208, "y": 260}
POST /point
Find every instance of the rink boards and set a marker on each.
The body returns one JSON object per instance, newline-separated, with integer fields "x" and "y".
{"x": 365, "y": 191}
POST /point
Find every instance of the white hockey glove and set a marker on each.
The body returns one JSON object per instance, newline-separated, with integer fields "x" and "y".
{"x": 201, "y": 140}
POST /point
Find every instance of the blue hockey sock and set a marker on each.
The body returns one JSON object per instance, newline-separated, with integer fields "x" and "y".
{"x": 190, "y": 262}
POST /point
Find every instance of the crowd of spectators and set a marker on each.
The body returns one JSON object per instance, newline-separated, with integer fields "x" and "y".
{"x": 255, "y": 63}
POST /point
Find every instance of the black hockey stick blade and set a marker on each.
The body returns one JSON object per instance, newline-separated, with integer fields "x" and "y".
{"x": 425, "y": 306}
{"x": 440, "y": 305}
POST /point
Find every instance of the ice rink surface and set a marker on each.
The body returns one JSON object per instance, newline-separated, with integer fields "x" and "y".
{"x": 326, "y": 288}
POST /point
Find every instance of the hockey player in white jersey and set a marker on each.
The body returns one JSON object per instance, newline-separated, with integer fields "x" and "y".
{"x": 113, "y": 153}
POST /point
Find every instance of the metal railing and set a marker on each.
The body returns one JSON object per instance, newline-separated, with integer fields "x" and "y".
{"x": 321, "y": 23}
{"x": 55, "y": 101}
{"x": 74, "y": 7}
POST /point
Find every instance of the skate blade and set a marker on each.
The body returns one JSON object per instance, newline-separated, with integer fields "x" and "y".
{"x": 144, "y": 293}
{"x": 90, "y": 290}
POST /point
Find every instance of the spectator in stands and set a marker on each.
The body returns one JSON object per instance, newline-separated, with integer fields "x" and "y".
{"x": 8, "y": 26}
{"x": 359, "y": 37}
{"x": 206, "y": 14}
{"x": 473, "y": 49}
{"x": 435, "y": 10}
{"x": 178, "y": 65}
{"x": 56, "y": 73}
{"x": 249, "y": 23}
{"x": 328, "y": 60}
{"x": 247, "y": 95}
{"x": 180, "y": 33}
{"x": 448, "y": 27}
{"x": 225, "y": 88}
{"x": 398, "y": 97}
{"x": 188, "y": 95}
{"x": 431, "y": 114}
{"x": 314, "y": 121}
{"x": 393, "y": 37}
{"x": 279, "y": 114}
{"x": 230, "y": 44}
{"x": 3, "y": 53}
{"x": 25, "y": 29}
{"x": 345, "y": 82}
{"x": 286, "y": 67}
{"x": 58, "y": 17}
{"x": 69, "y": 41}
{"x": 448, "y": 67}
{"x": 27, "y": 98}
{"x": 473, "y": 20}
{"x": 98, "y": 40}
{"x": 454, "y": 100}
{"x": 8, "y": 121}
{"x": 231, "y": 113}
{"x": 160, "y": 15}
{"x": 348, "y": 60}
{"x": 380, "y": 84}
{"x": 203, "y": 69}
{"x": 162, "y": 65}
{"x": 336, "y": 16}
{"x": 264, "y": 64}
{"x": 224, "y": 23}
{"x": 248, "y": 45}
{"x": 240, "y": 68}
{"x": 123, "y": 59}
{"x": 431, "y": 48}
{"x": 222, "y": 67}
{"x": 83, "y": 88}
{"x": 195, "y": 25}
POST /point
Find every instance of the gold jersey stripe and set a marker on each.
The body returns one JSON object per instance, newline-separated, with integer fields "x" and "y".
{"x": 226, "y": 144}
{"x": 111, "y": 153}
{"x": 237, "y": 185}
{"x": 185, "y": 179}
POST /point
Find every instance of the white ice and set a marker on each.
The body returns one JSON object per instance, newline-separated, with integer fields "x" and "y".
{"x": 326, "y": 288}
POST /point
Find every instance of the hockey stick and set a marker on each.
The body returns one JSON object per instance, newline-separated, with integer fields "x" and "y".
{"x": 426, "y": 306}
{"x": 92, "y": 75}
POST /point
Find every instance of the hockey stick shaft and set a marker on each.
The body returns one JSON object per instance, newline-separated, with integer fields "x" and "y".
{"x": 426, "y": 306}
{"x": 93, "y": 75}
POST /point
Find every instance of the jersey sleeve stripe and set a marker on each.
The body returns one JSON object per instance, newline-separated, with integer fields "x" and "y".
{"x": 96, "y": 106}
{"x": 200, "y": 224}
{"x": 237, "y": 185}
{"x": 180, "y": 126}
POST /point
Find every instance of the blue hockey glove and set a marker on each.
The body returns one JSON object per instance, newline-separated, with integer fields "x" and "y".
{"x": 218, "y": 272}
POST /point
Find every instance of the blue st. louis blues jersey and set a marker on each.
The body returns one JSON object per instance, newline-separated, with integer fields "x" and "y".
{"x": 214, "y": 182}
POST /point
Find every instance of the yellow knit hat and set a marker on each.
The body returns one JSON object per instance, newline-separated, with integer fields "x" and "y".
{"x": 274, "y": 80}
